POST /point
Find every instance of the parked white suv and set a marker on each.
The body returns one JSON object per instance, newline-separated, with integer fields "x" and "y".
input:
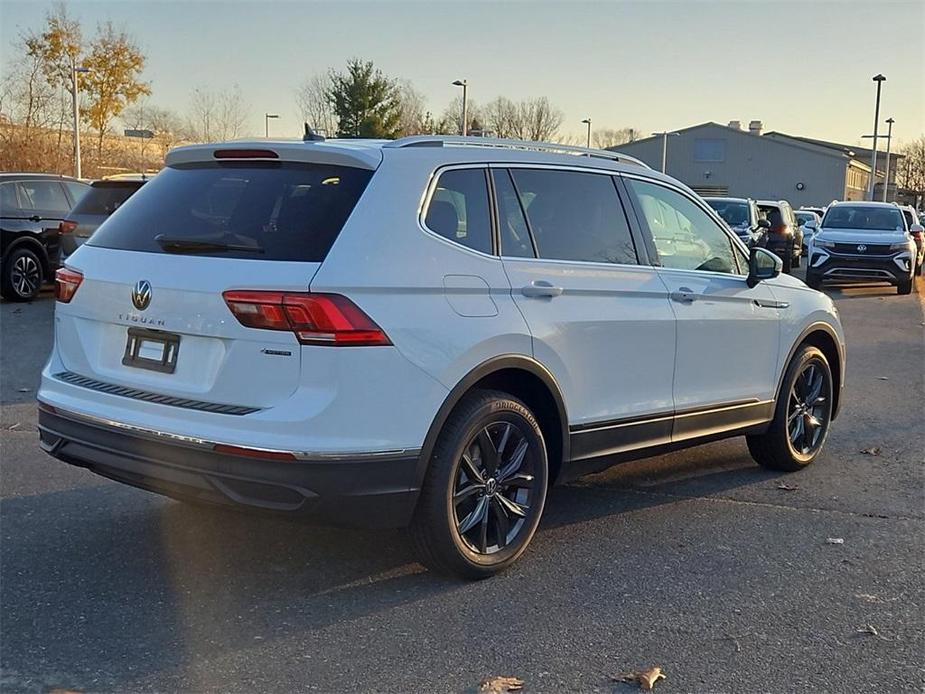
{"x": 424, "y": 332}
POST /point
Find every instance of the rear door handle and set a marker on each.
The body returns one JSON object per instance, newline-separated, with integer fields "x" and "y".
{"x": 684, "y": 295}
{"x": 541, "y": 288}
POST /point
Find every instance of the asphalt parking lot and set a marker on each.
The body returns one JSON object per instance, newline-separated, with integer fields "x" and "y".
{"x": 731, "y": 578}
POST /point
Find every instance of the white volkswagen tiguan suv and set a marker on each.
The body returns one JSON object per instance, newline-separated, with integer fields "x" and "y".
{"x": 425, "y": 332}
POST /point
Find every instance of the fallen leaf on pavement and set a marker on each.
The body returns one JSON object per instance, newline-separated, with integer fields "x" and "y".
{"x": 872, "y": 631}
{"x": 14, "y": 427}
{"x": 883, "y": 378}
{"x": 500, "y": 684}
{"x": 873, "y": 450}
{"x": 835, "y": 540}
{"x": 23, "y": 390}
{"x": 646, "y": 679}
{"x": 787, "y": 487}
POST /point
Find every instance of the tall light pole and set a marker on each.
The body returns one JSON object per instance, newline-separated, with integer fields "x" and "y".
{"x": 665, "y": 135}
{"x": 889, "y": 141}
{"x": 587, "y": 121}
{"x": 266, "y": 122}
{"x": 465, "y": 106}
{"x": 879, "y": 79}
{"x": 75, "y": 101}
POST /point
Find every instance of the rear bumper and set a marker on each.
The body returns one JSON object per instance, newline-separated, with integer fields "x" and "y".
{"x": 365, "y": 490}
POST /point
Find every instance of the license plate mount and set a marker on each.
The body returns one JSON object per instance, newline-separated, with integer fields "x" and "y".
{"x": 154, "y": 350}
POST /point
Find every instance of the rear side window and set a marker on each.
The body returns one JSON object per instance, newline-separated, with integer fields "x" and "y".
{"x": 105, "y": 198}
{"x": 8, "y": 201}
{"x": 277, "y": 211}
{"x": 458, "y": 209}
{"x": 43, "y": 196}
{"x": 76, "y": 189}
{"x": 575, "y": 216}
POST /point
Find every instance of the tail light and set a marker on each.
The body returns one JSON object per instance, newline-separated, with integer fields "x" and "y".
{"x": 315, "y": 319}
{"x": 67, "y": 282}
{"x": 67, "y": 227}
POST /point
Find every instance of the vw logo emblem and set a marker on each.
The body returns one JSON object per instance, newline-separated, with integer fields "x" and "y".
{"x": 862, "y": 248}
{"x": 141, "y": 295}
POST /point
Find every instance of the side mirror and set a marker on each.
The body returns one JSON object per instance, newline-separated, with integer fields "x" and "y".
{"x": 762, "y": 265}
{"x": 764, "y": 224}
{"x": 811, "y": 225}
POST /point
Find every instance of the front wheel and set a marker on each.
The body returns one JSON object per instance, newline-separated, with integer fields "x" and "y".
{"x": 801, "y": 417}
{"x": 484, "y": 491}
{"x": 813, "y": 281}
{"x": 905, "y": 287}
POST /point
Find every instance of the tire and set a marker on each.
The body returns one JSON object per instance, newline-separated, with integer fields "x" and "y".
{"x": 813, "y": 281}
{"x": 22, "y": 275}
{"x": 905, "y": 287}
{"x": 796, "y": 261}
{"x": 791, "y": 443}
{"x": 461, "y": 464}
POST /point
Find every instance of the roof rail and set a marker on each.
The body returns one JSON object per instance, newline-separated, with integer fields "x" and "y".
{"x": 527, "y": 145}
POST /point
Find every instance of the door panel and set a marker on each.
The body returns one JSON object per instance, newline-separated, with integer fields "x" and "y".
{"x": 727, "y": 333}
{"x": 605, "y": 330}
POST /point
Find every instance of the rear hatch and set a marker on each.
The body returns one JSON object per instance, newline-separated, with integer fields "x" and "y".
{"x": 149, "y": 313}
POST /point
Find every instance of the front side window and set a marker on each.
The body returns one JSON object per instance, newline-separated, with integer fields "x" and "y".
{"x": 685, "y": 236}
{"x": 575, "y": 216}
{"x": 458, "y": 209}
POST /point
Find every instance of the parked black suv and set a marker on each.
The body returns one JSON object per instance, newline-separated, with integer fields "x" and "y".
{"x": 32, "y": 206}
{"x": 742, "y": 216}
{"x": 104, "y": 198}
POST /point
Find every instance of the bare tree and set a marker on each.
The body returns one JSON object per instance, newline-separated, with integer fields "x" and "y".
{"x": 501, "y": 118}
{"x": 314, "y": 104}
{"x": 540, "y": 119}
{"x": 216, "y": 115}
{"x": 609, "y": 137}
{"x": 911, "y": 171}
{"x": 412, "y": 111}
{"x": 450, "y": 122}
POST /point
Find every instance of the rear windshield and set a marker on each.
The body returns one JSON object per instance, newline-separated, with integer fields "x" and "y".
{"x": 733, "y": 213}
{"x": 105, "y": 198}
{"x": 861, "y": 217}
{"x": 272, "y": 211}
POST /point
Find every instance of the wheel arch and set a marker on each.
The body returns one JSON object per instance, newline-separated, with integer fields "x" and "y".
{"x": 34, "y": 244}
{"x": 822, "y": 336}
{"x": 525, "y": 378}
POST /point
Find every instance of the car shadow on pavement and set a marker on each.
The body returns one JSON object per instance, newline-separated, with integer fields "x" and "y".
{"x": 205, "y": 582}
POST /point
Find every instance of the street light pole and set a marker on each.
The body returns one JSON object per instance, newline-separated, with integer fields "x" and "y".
{"x": 465, "y": 105}
{"x": 889, "y": 141}
{"x": 266, "y": 122}
{"x": 879, "y": 79}
{"x": 75, "y": 102}
{"x": 665, "y": 135}
{"x": 587, "y": 121}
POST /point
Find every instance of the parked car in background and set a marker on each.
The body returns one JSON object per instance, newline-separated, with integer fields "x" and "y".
{"x": 819, "y": 211}
{"x": 240, "y": 331}
{"x": 104, "y": 197}
{"x": 32, "y": 206}
{"x": 785, "y": 237}
{"x": 742, "y": 216}
{"x": 803, "y": 216}
{"x": 916, "y": 229}
{"x": 863, "y": 242}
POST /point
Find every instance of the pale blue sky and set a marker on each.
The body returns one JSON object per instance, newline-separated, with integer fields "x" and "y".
{"x": 800, "y": 67}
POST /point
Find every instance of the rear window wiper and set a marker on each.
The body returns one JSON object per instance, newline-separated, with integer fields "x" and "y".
{"x": 200, "y": 245}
